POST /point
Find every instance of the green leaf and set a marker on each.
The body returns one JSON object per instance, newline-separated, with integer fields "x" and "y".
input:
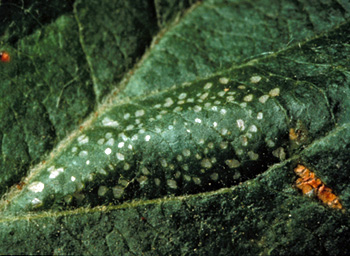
{"x": 185, "y": 150}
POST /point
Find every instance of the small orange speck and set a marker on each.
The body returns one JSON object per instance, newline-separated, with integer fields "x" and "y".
{"x": 20, "y": 185}
{"x": 292, "y": 134}
{"x": 5, "y": 56}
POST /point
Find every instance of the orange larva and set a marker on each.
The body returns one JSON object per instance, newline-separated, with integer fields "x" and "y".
{"x": 310, "y": 185}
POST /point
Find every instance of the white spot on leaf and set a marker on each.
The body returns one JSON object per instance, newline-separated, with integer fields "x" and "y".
{"x": 36, "y": 186}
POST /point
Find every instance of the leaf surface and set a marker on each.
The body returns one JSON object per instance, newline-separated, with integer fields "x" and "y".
{"x": 205, "y": 165}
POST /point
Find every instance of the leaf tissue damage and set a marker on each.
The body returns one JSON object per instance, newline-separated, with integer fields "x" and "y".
{"x": 245, "y": 126}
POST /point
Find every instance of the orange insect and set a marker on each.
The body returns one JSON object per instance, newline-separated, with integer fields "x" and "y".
{"x": 311, "y": 185}
{"x": 5, "y": 56}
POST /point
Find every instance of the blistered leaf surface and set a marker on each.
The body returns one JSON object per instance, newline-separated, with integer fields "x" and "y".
{"x": 193, "y": 150}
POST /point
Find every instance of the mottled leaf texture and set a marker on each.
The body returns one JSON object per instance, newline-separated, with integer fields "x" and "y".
{"x": 139, "y": 128}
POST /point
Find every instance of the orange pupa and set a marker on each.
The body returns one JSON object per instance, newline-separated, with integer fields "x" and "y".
{"x": 310, "y": 185}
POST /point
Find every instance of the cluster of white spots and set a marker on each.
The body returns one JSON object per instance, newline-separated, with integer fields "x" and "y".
{"x": 248, "y": 98}
{"x": 214, "y": 108}
{"x": 170, "y": 127}
{"x": 260, "y": 116}
{"x": 147, "y": 138}
{"x": 109, "y": 122}
{"x": 101, "y": 141}
{"x": 253, "y": 128}
{"x": 74, "y": 149}
{"x": 72, "y": 178}
{"x": 108, "y": 151}
{"x": 157, "y": 106}
{"x": 206, "y": 163}
{"x": 274, "y": 92}
{"x": 87, "y": 162}
{"x": 172, "y": 184}
{"x": 255, "y": 79}
{"x": 186, "y": 152}
{"x": 108, "y": 135}
{"x": 83, "y": 153}
{"x": 83, "y": 139}
{"x": 240, "y": 124}
{"x": 253, "y": 156}
{"x": 54, "y": 172}
{"x": 197, "y": 120}
{"x": 215, "y": 124}
{"x": 139, "y": 113}
{"x": 126, "y": 116}
{"x": 223, "y": 111}
{"x": 36, "y": 186}
{"x": 207, "y": 86}
{"x": 168, "y": 102}
{"x": 232, "y": 163}
{"x": 264, "y": 98}
{"x": 223, "y": 80}
{"x": 182, "y": 96}
{"x": 120, "y": 144}
{"x": 120, "y": 156}
{"x": 133, "y": 138}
